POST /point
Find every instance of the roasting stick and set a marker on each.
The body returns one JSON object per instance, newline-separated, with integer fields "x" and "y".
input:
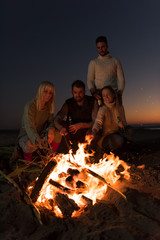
{"x": 68, "y": 146}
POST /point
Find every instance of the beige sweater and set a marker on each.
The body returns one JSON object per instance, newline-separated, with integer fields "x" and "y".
{"x": 34, "y": 121}
{"x": 108, "y": 118}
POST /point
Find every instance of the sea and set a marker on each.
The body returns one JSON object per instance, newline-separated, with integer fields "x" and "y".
{"x": 148, "y": 126}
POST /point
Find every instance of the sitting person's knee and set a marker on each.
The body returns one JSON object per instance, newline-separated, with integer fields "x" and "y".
{"x": 116, "y": 141}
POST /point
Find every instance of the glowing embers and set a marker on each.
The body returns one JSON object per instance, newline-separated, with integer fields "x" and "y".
{"x": 70, "y": 183}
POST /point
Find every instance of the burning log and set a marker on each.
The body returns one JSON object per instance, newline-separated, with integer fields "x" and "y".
{"x": 72, "y": 171}
{"x": 70, "y": 181}
{"x": 87, "y": 200}
{"x": 80, "y": 184}
{"x": 43, "y": 176}
{"x": 65, "y": 204}
{"x": 62, "y": 175}
{"x": 97, "y": 176}
{"x": 102, "y": 179}
{"x": 61, "y": 187}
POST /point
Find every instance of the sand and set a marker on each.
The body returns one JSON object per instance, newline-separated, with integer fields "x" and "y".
{"x": 111, "y": 218}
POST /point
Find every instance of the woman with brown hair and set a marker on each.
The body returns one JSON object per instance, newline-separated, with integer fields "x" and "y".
{"x": 111, "y": 121}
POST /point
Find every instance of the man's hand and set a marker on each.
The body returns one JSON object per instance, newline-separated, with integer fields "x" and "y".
{"x": 63, "y": 132}
{"x": 75, "y": 127}
{"x": 96, "y": 96}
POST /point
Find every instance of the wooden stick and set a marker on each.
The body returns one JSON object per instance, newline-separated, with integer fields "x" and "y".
{"x": 61, "y": 187}
{"x": 103, "y": 180}
{"x": 68, "y": 145}
{"x": 39, "y": 183}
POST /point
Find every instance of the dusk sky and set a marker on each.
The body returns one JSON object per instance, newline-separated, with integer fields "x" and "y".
{"x": 55, "y": 40}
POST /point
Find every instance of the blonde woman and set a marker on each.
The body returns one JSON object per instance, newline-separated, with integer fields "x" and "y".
{"x": 37, "y": 121}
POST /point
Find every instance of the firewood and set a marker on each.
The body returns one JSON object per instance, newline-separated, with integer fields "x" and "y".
{"x": 65, "y": 204}
{"x": 94, "y": 174}
{"x": 39, "y": 183}
{"x": 72, "y": 171}
{"x": 70, "y": 181}
{"x": 87, "y": 200}
{"x": 80, "y": 184}
{"x": 62, "y": 175}
{"x": 61, "y": 187}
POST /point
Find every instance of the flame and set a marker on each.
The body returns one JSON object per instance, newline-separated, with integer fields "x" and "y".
{"x": 93, "y": 179}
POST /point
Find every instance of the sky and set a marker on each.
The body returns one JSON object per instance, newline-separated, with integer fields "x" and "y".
{"x": 55, "y": 40}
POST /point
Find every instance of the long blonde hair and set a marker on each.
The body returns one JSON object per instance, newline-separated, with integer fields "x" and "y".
{"x": 40, "y": 92}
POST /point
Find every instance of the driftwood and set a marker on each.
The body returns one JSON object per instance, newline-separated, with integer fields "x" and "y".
{"x": 65, "y": 204}
{"x": 39, "y": 183}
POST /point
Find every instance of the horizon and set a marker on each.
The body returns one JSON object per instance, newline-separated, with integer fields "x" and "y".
{"x": 132, "y": 124}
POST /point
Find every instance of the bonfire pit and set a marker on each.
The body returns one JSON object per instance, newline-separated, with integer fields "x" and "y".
{"x": 70, "y": 183}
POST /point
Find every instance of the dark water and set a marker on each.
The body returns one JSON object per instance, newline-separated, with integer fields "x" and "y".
{"x": 151, "y": 126}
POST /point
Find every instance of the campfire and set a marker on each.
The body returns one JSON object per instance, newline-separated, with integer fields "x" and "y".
{"x": 69, "y": 183}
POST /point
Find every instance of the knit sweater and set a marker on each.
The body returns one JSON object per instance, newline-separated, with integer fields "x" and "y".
{"x": 105, "y": 71}
{"x": 34, "y": 121}
{"x": 108, "y": 118}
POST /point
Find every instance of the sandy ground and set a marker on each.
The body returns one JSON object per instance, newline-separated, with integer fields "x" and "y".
{"x": 112, "y": 218}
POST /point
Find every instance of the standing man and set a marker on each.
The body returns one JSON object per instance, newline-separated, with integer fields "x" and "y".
{"x": 77, "y": 114}
{"x": 104, "y": 71}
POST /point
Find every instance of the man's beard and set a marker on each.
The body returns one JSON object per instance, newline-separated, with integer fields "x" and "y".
{"x": 103, "y": 53}
{"x": 79, "y": 100}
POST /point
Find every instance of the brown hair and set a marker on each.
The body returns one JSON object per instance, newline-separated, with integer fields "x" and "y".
{"x": 78, "y": 84}
{"x": 101, "y": 39}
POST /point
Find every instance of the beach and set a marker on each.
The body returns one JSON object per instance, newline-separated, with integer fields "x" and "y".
{"x": 111, "y": 218}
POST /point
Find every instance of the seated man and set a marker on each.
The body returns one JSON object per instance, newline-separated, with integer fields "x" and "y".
{"x": 77, "y": 115}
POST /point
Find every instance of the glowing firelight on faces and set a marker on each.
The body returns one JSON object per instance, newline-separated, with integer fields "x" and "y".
{"x": 94, "y": 187}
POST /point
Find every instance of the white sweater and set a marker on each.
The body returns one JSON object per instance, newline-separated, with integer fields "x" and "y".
{"x": 105, "y": 71}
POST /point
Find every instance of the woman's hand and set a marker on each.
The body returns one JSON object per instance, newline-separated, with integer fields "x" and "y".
{"x": 121, "y": 125}
{"x": 40, "y": 142}
{"x": 63, "y": 132}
